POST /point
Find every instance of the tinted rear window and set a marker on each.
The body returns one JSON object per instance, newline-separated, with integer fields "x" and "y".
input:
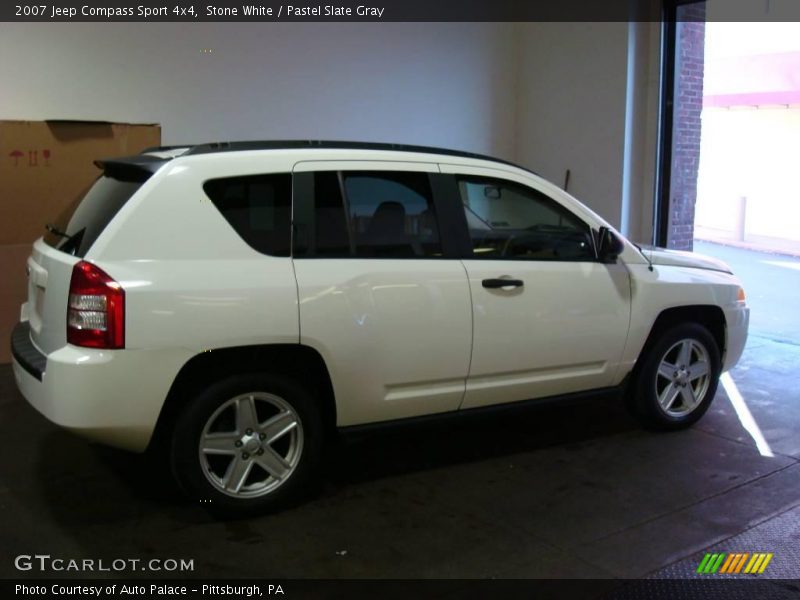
{"x": 258, "y": 207}
{"x": 77, "y": 228}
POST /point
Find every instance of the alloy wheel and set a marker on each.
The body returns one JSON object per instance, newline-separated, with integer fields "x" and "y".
{"x": 251, "y": 445}
{"x": 683, "y": 377}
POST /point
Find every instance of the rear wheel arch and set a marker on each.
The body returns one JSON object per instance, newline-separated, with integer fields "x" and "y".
{"x": 302, "y": 364}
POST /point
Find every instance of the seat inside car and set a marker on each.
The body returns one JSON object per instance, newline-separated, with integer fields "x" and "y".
{"x": 386, "y": 232}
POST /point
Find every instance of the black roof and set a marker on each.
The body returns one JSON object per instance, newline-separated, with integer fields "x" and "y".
{"x": 148, "y": 165}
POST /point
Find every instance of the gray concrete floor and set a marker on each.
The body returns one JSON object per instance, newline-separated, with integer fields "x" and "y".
{"x": 574, "y": 491}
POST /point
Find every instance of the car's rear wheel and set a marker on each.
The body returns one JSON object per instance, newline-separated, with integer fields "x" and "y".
{"x": 677, "y": 379}
{"x": 248, "y": 444}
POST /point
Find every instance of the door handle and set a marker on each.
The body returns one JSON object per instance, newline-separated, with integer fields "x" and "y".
{"x": 494, "y": 284}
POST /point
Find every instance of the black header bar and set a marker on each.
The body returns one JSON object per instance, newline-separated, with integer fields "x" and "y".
{"x": 378, "y": 11}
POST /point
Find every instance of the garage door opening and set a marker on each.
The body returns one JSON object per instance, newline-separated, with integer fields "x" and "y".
{"x": 748, "y": 194}
{"x": 730, "y": 146}
{"x": 747, "y": 185}
{"x": 728, "y": 188}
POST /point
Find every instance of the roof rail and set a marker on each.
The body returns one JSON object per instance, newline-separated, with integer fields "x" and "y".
{"x": 328, "y": 144}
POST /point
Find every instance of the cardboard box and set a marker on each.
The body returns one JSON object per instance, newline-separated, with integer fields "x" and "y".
{"x": 44, "y": 166}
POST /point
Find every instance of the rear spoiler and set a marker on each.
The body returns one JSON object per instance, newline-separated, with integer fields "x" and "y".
{"x": 137, "y": 168}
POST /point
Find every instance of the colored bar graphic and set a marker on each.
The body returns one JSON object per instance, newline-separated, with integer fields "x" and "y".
{"x": 701, "y": 568}
{"x": 740, "y": 564}
{"x": 755, "y": 564}
{"x": 732, "y": 563}
{"x": 727, "y": 564}
{"x": 764, "y": 564}
{"x": 718, "y": 563}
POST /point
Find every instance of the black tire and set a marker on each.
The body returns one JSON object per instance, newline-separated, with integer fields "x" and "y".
{"x": 647, "y": 385}
{"x": 215, "y": 413}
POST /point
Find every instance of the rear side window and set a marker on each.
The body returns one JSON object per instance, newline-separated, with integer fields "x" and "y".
{"x": 77, "y": 228}
{"x": 373, "y": 214}
{"x": 258, "y": 207}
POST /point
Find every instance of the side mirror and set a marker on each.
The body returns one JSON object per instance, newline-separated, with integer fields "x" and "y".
{"x": 492, "y": 192}
{"x": 609, "y": 246}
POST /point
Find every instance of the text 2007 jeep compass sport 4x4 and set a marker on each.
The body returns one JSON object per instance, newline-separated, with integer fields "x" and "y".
{"x": 240, "y": 300}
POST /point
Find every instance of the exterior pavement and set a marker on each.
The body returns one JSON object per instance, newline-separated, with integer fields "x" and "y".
{"x": 772, "y": 284}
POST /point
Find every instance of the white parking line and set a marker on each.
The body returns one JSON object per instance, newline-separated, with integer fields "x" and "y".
{"x": 744, "y": 414}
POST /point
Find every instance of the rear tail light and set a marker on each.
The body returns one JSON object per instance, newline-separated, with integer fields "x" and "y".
{"x": 96, "y": 311}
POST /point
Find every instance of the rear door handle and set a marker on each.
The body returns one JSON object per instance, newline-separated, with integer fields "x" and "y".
{"x": 494, "y": 284}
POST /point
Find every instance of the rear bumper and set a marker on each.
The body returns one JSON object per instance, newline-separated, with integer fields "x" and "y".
{"x": 25, "y": 353}
{"x": 99, "y": 394}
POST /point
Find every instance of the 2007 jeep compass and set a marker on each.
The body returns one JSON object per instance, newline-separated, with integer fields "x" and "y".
{"x": 241, "y": 300}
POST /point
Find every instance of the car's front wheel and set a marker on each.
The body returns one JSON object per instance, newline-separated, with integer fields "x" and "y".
{"x": 677, "y": 378}
{"x": 248, "y": 444}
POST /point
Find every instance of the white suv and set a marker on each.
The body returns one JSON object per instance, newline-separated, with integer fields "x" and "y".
{"x": 242, "y": 300}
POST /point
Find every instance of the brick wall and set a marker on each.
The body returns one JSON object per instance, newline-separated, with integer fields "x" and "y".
{"x": 688, "y": 104}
